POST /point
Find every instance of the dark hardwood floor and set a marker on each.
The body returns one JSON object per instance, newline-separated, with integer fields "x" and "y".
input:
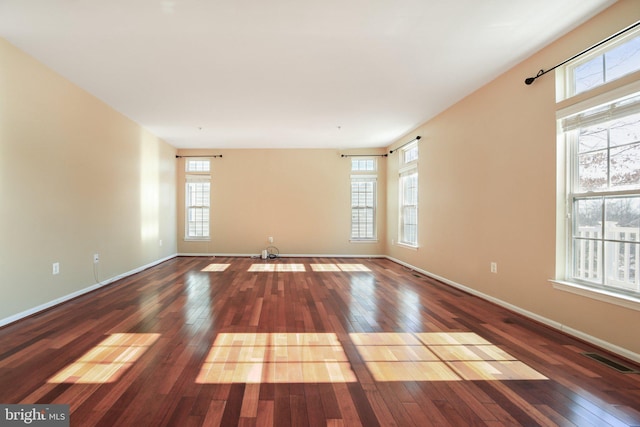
{"x": 303, "y": 341}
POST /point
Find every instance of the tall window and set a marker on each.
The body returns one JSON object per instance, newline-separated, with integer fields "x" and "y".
{"x": 197, "y": 199}
{"x": 602, "y": 138}
{"x": 408, "y": 194}
{"x": 363, "y": 199}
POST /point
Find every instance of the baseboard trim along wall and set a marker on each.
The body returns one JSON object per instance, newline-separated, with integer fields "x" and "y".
{"x": 621, "y": 351}
{"x": 283, "y": 255}
{"x": 76, "y": 294}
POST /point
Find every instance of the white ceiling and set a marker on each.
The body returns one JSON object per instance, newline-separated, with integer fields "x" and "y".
{"x": 285, "y": 73}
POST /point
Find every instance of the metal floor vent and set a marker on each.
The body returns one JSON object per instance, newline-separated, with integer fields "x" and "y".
{"x": 610, "y": 363}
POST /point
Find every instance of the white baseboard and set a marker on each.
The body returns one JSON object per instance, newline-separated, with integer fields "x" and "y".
{"x": 628, "y": 354}
{"x": 78, "y": 293}
{"x": 284, "y": 255}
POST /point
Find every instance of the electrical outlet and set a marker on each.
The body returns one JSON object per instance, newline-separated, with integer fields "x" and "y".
{"x": 96, "y": 258}
{"x": 56, "y": 268}
{"x": 160, "y": 243}
{"x": 494, "y": 267}
{"x": 270, "y": 239}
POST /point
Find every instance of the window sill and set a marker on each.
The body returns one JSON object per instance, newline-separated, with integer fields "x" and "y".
{"x": 196, "y": 239}
{"x": 406, "y": 246}
{"x": 363, "y": 241}
{"x": 626, "y": 301}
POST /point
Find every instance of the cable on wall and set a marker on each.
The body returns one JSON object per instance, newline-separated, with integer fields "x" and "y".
{"x": 417, "y": 138}
{"x": 541, "y": 73}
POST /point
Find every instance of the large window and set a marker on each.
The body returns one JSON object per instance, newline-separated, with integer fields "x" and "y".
{"x": 363, "y": 199}
{"x": 197, "y": 199}
{"x": 408, "y": 195}
{"x": 602, "y": 139}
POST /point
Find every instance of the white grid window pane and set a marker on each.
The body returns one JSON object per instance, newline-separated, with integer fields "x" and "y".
{"x": 409, "y": 209}
{"x": 363, "y": 208}
{"x": 198, "y": 165}
{"x": 363, "y": 165}
{"x": 611, "y": 65}
{"x": 198, "y": 194}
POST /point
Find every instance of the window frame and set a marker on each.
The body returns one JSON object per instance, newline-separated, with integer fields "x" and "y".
{"x": 408, "y": 169}
{"x": 197, "y": 176}
{"x": 367, "y": 175}
{"x": 567, "y": 83}
{"x": 580, "y": 112}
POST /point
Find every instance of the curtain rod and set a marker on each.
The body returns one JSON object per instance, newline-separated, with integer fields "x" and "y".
{"x": 541, "y": 73}
{"x": 363, "y": 155}
{"x": 214, "y": 156}
{"x": 417, "y": 138}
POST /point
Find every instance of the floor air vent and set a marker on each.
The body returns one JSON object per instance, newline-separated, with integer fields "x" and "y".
{"x": 610, "y": 363}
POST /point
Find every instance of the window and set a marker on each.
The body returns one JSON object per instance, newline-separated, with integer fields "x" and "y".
{"x": 363, "y": 199}
{"x": 408, "y": 194}
{"x": 197, "y": 199}
{"x": 612, "y": 61}
{"x": 602, "y": 139}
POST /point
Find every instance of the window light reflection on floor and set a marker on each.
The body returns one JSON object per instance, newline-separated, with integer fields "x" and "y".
{"x": 339, "y": 267}
{"x": 216, "y": 267}
{"x": 277, "y": 267}
{"x": 255, "y": 358}
{"x": 438, "y": 356}
{"x": 107, "y": 361}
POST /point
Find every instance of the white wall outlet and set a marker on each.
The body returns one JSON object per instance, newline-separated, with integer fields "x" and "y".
{"x": 270, "y": 239}
{"x": 160, "y": 243}
{"x": 56, "y": 268}
{"x": 96, "y": 258}
{"x": 494, "y": 267}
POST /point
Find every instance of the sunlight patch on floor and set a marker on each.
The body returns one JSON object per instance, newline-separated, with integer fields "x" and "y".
{"x": 339, "y": 267}
{"x": 277, "y": 267}
{"x": 438, "y": 356}
{"x": 216, "y": 267}
{"x": 107, "y": 361}
{"x": 276, "y": 358}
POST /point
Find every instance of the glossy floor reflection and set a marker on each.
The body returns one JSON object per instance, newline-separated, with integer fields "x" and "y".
{"x": 107, "y": 361}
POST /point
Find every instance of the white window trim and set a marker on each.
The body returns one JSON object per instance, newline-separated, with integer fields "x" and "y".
{"x": 408, "y": 170}
{"x": 196, "y": 176}
{"x": 605, "y": 94}
{"x": 563, "y": 76}
{"x": 371, "y": 175}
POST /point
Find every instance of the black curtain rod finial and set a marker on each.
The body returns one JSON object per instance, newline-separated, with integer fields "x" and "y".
{"x": 530, "y": 80}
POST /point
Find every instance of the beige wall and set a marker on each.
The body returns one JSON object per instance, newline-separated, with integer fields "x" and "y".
{"x": 299, "y": 197}
{"x": 76, "y": 178}
{"x": 487, "y": 193}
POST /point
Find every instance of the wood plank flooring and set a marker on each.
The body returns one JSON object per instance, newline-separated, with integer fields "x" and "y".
{"x": 303, "y": 341}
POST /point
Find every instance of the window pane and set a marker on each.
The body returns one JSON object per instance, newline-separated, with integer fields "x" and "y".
{"x": 622, "y": 219}
{"x": 198, "y": 165}
{"x": 622, "y": 265}
{"x": 623, "y": 59}
{"x": 587, "y": 260}
{"x": 588, "y": 218}
{"x": 625, "y": 166}
{"x": 588, "y": 75}
{"x": 625, "y": 131}
{"x": 592, "y": 171}
{"x": 592, "y": 138}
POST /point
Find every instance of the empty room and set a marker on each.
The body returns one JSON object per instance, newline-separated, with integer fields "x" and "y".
{"x": 280, "y": 213}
